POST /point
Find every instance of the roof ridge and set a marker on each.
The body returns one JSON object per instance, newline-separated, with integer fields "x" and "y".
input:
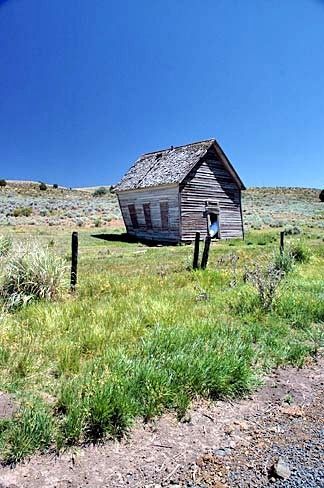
{"x": 172, "y": 165}
{"x": 156, "y": 161}
{"x": 177, "y": 147}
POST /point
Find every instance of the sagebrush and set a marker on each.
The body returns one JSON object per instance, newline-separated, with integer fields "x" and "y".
{"x": 300, "y": 252}
{"x": 5, "y": 245}
{"x": 266, "y": 279}
{"x": 31, "y": 272}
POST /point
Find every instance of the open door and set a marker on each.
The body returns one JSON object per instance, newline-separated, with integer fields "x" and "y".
{"x": 213, "y": 224}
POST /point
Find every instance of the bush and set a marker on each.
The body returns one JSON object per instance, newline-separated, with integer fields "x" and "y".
{"x": 3, "y": 183}
{"x": 55, "y": 186}
{"x": 292, "y": 231}
{"x": 321, "y": 196}
{"x": 32, "y": 272}
{"x": 22, "y": 212}
{"x": 42, "y": 186}
{"x": 300, "y": 252}
{"x": 5, "y": 245}
{"x": 284, "y": 261}
{"x": 266, "y": 280}
{"x": 99, "y": 192}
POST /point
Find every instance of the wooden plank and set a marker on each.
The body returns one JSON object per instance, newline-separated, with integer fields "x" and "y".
{"x": 205, "y": 256}
{"x": 282, "y": 241}
{"x": 74, "y": 260}
{"x": 196, "y": 251}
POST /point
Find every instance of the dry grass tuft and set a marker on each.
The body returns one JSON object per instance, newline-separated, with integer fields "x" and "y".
{"x": 30, "y": 272}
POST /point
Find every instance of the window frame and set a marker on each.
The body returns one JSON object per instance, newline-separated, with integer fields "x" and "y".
{"x": 165, "y": 215}
{"x": 212, "y": 208}
{"x": 133, "y": 215}
{"x": 147, "y": 215}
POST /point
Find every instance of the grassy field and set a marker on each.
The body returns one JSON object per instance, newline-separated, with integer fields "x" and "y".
{"x": 144, "y": 333}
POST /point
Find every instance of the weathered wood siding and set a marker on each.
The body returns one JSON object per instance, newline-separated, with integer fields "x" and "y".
{"x": 149, "y": 202}
{"x": 210, "y": 180}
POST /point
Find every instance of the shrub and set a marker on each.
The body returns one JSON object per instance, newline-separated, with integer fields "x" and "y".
{"x": 3, "y": 183}
{"x": 321, "y": 196}
{"x": 300, "y": 252}
{"x": 5, "y": 245}
{"x": 32, "y": 272}
{"x": 266, "y": 280}
{"x": 99, "y": 192}
{"x": 42, "y": 186}
{"x": 22, "y": 212}
{"x": 284, "y": 261}
{"x": 55, "y": 186}
{"x": 292, "y": 231}
{"x": 97, "y": 222}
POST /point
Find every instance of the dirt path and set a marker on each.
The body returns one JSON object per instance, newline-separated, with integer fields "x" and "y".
{"x": 219, "y": 445}
{"x": 281, "y": 446}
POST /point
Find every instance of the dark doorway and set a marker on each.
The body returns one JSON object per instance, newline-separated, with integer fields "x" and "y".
{"x": 213, "y": 225}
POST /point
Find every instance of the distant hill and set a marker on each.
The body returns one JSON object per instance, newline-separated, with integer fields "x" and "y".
{"x": 55, "y": 206}
{"x": 91, "y": 189}
{"x": 29, "y": 183}
{"x": 277, "y": 207}
{"x": 262, "y": 207}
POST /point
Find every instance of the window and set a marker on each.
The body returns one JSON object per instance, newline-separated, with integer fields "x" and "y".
{"x": 133, "y": 216}
{"x": 164, "y": 209}
{"x": 147, "y": 215}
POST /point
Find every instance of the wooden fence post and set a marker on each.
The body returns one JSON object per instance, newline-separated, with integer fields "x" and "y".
{"x": 282, "y": 241}
{"x": 74, "y": 261}
{"x": 205, "y": 255}
{"x": 195, "y": 264}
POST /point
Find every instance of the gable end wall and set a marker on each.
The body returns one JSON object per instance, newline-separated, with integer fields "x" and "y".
{"x": 210, "y": 180}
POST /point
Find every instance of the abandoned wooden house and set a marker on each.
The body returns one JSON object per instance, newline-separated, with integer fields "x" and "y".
{"x": 171, "y": 194}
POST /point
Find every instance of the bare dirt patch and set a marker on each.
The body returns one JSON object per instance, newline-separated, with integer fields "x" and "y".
{"x": 221, "y": 444}
{"x": 281, "y": 446}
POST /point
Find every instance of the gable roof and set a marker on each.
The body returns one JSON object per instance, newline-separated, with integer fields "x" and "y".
{"x": 171, "y": 165}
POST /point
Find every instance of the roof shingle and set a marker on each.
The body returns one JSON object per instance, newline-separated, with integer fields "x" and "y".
{"x": 170, "y": 165}
{"x": 164, "y": 167}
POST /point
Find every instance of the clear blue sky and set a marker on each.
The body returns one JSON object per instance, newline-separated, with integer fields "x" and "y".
{"x": 86, "y": 86}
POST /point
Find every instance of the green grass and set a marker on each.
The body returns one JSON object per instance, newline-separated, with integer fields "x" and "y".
{"x": 145, "y": 334}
